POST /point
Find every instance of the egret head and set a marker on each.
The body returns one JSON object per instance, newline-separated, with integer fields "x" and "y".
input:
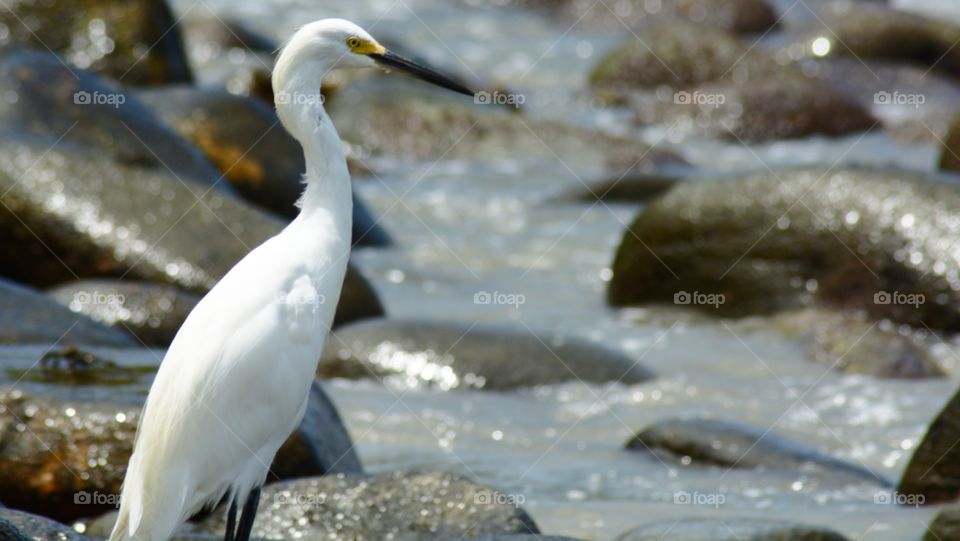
{"x": 327, "y": 44}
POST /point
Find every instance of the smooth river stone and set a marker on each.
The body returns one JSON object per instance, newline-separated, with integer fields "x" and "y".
{"x": 934, "y": 469}
{"x": 451, "y": 355}
{"x": 22, "y": 526}
{"x": 885, "y": 242}
{"x": 730, "y": 529}
{"x": 30, "y": 317}
{"x": 727, "y": 444}
{"x": 400, "y": 506}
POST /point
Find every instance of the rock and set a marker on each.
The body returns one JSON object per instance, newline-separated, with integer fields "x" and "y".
{"x": 49, "y": 102}
{"x": 398, "y": 505}
{"x": 945, "y": 526}
{"x": 729, "y": 529}
{"x": 450, "y": 355}
{"x": 850, "y": 343}
{"x": 244, "y": 138}
{"x": 950, "y": 156}
{"x": 21, "y": 526}
{"x": 28, "y": 316}
{"x": 934, "y": 469}
{"x": 717, "y": 85}
{"x": 394, "y": 117}
{"x": 495, "y": 537}
{"x": 876, "y": 240}
{"x": 619, "y": 189}
{"x": 152, "y": 313}
{"x": 743, "y": 16}
{"x": 134, "y": 41}
{"x": 65, "y": 448}
{"x": 60, "y": 225}
{"x": 874, "y": 31}
{"x": 701, "y": 442}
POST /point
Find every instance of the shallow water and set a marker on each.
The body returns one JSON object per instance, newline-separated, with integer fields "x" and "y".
{"x": 464, "y": 228}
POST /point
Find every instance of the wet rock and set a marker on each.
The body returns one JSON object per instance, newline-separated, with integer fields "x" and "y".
{"x": 391, "y": 116}
{"x": 734, "y": 15}
{"x": 28, "y": 316}
{"x": 850, "y": 343}
{"x": 950, "y": 156}
{"x": 945, "y": 526}
{"x": 244, "y": 138}
{"x": 711, "y": 84}
{"x": 22, "y": 526}
{"x": 134, "y": 41}
{"x": 152, "y": 313}
{"x": 401, "y": 506}
{"x": 517, "y": 538}
{"x": 451, "y": 355}
{"x": 873, "y": 31}
{"x": 64, "y": 450}
{"x": 47, "y": 101}
{"x": 880, "y": 241}
{"x": 620, "y": 189}
{"x": 729, "y": 529}
{"x": 61, "y": 225}
{"x": 934, "y": 469}
{"x": 701, "y": 442}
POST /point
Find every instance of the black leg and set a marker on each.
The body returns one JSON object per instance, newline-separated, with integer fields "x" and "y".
{"x": 248, "y": 516}
{"x": 231, "y": 520}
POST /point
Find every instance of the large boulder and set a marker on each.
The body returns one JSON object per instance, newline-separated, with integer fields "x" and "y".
{"x": 243, "y": 137}
{"x": 134, "y": 41}
{"x": 152, "y": 313}
{"x": 700, "y": 442}
{"x": 875, "y": 240}
{"x": 945, "y": 526}
{"x": 21, "y": 526}
{"x": 933, "y": 474}
{"x": 706, "y": 82}
{"x": 28, "y": 316}
{"x": 66, "y": 434}
{"x": 450, "y": 355}
{"x": 730, "y": 529}
{"x": 400, "y": 506}
{"x": 394, "y": 117}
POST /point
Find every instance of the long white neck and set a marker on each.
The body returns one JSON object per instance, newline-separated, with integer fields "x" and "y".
{"x": 328, "y": 192}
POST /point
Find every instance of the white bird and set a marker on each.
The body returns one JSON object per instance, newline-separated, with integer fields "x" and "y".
{"x": 234, "y": 382}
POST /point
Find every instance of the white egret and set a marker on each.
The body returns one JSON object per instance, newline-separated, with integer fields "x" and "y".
{"x": 234, "y": 382}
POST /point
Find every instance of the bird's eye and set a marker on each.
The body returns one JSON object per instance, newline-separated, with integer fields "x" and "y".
{"x": 353, "y": 42}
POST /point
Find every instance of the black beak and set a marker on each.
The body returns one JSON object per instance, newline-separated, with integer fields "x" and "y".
{"x": 393, "y": 60}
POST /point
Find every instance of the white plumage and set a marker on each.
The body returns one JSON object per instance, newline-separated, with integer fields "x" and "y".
{"x": 235, "y": 380}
